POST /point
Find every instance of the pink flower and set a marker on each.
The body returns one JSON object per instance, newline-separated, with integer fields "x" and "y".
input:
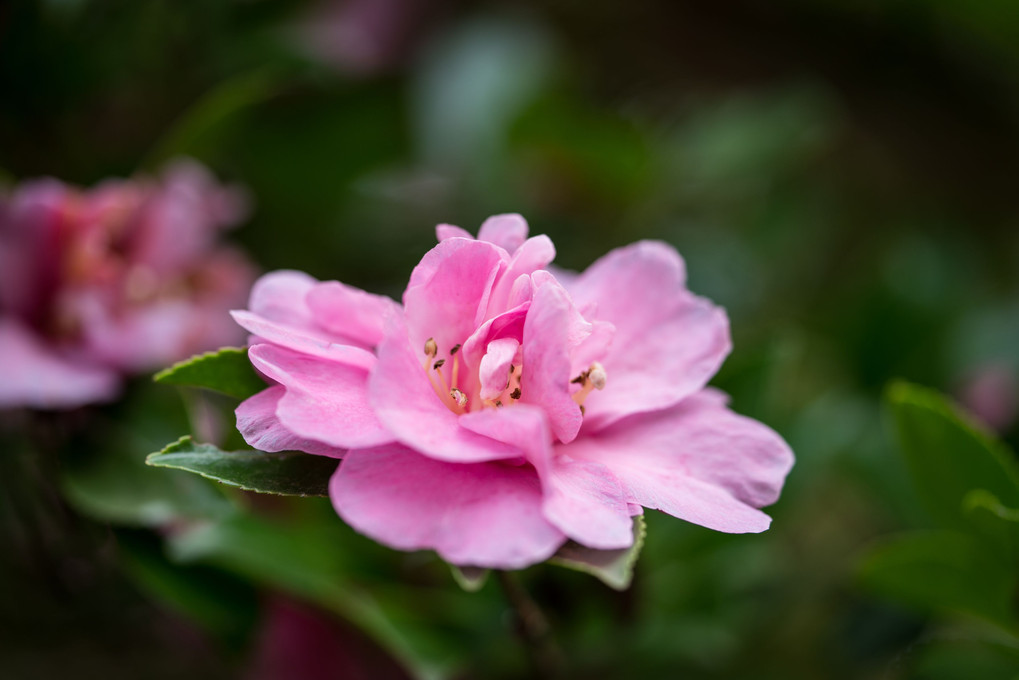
{"x": 119, "y": 279}
{"x": 504, "y": 408}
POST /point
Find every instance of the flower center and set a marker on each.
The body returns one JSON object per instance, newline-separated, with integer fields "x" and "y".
{"x": 458, "y": 399}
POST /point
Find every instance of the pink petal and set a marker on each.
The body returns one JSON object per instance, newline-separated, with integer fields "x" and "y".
{"x": 533, "y": 255}
{"x": 447, "y": 231}
{"x": 506, "y": 231}
{"x": 495, "y": 366}
{"x": 482, "y": 515}
{"x": 262, "y": 430}
{"x": 583, "y": 499}
{"x": 307, "y": 341}
{"x": 697, "y": 461}
{"x": 551, "y": 331}
{"x": 351, "y": 313}
{"x": 448, "y": 291}
{"x": 324, "y": 401}
{"x": 34, "y": 375}
{"x": 280, "y": 296}
{"x": 408, "y": 406}
{"x": 587, "y": 502}
{"x": 668, "y": 342}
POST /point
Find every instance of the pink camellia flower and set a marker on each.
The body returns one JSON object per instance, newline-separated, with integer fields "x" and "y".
{"x": 505, "y": 408}
{"x": 119, "y": 279}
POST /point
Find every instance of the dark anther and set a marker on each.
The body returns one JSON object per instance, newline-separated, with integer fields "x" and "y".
{"x": 438, "y": 364}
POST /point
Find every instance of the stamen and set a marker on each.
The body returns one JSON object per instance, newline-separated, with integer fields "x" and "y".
{"x": 459, "y": 397}
{"x": 456, "y": 370}
{"x": 515, "y": 394}
{"x": 594, "y": 378}
{"x": 597, "y": 375}
{"x": 438, "y": 364}
{"x": 431, "y": 348}
{"x": 456, "y": 348}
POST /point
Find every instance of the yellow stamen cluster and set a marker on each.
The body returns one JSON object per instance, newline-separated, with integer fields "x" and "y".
{"x": 451, "y": 395}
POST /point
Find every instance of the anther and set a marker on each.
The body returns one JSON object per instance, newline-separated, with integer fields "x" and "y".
{"x": 459, "y": 397}
{"x": 596, "y": 374}
{"x": 438, "y": 364}
{"x": 431, "y": 348}
{"x": 455, "y": 349}
{"x": 515, "y": 394}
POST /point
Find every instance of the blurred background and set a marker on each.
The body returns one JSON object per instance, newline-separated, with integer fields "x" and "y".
{"x": 841, "y": 176}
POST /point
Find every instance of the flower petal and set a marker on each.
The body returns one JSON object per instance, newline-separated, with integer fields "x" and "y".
{"x": 351, "y": 313}
{"x": 407, "y": 404}
{"x": 494, "y": 369}
{"x": 697, "y": 461}
{"x": 306, "y": 341}
{"x": 448, "y": 291}
{"x": 532, "y": 256}
{"x": 581, "y": 498}
{"x": 447, "y": 231}
{"x": 552, "y": 329}
{"x": 262, "y": 430}
{"x": 507, "y": 231}
{"x": 280, "y": 296}
{"x": 325, "y": 401}
{"x": 668, "y": 342}
{"x": 34, "y": 375}
{"x": 482, "y": 515}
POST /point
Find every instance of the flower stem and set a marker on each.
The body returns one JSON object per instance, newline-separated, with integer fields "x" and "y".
{"x": 533, "y": 628}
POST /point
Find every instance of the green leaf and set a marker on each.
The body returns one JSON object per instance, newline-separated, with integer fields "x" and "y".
{"x": 943, "y": 570}
{"x": 307, "y": 560}
{"x": 212, "y": 111}
{"x": 614, "y": 568}
{"x": 226, "y": 370}
{"x": 220, "y": 602}
{"x": 997, "y": 524}
{"x": 117, "y": 487}
{"x": 471, "y": 579}
{"x": 948, "y": 456}
{"x": 288, "y": 473}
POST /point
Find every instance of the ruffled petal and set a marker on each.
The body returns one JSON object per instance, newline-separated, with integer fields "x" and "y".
{"x": 351, "y": 313}
{"x": 581, "y": 498}
{"x": 448, "y": 231}
{"x": 306, "y": 341}
{"x": 280, "y": 296}
{"x": 262, "y": 430}
{"x": 36, "y": 376}
{"x": 494, "y": 369}
{"x": 324, "y": 401}
{"x": 448, "y": 292}
{"x": 668, "y": 342}
{"x": 507, "y": 231}
{"x": 483, "y": 514}
{"x": 552, "y": 330}
{"x": 697, "y": 461}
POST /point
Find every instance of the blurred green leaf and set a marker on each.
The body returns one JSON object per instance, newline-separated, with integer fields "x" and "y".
{"x": 287, "y": 473}
{"x": 306, "y": 560}
{"x": 220, "y": 602}
{"x": 998, "y": 524}
{"x": 227, "y": 370}
{"x": 212, "y": 110}
{"x": 118, "y": 487}
{"x": 471, "y": 579}
{"x": 947, "y": 455}
{"x": 614, "y": 568}
{"x": 943, "y": 570}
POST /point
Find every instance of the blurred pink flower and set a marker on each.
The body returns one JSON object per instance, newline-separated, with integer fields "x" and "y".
{"x": 991, "y": 393}
{"x": 119, "y": 279}
{"x": 502, "y": 410}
